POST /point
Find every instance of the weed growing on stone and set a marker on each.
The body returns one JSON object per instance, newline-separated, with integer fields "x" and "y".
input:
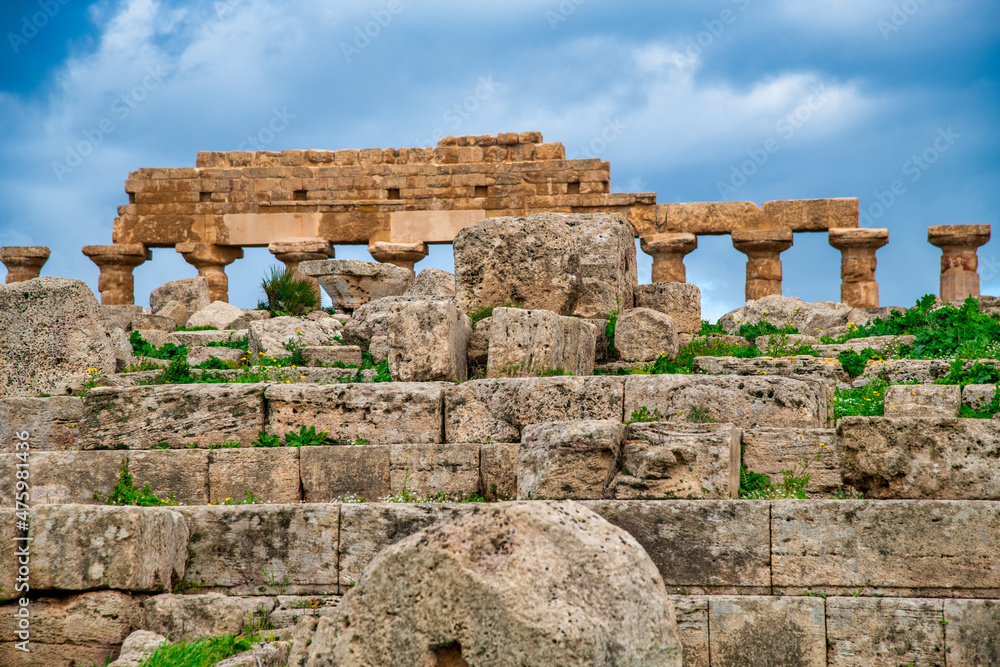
{"x": 643, "y": 415}
{"x": 854, "y": 363}
{"x": 238, "y": 344}
{"x": 609, "y": 333}
{"x": 284, "y": 294}
{"x": 143, "y": 365}
{"x": 358, "y": 440}
{"x": 305, "y": 437}
{"x": 716, "y": 348}
{"x": 265, "y": 440}
{"x": 699, "y": 414}
{"x": 793, "y": 484}
{"x": 125, "y": 492}
{"x": 868, "y": 400}
{"x": 273, "y": 582}
{"x": 987, "y": 412}
{"x": 544, "y": 372}
{"x": 199, "y": 652}
{"x": 228, "y": 444}
{"x": 481, "y": 314}
{"x": 204, "y": 327}
{"x": 141, "y": 348}
{"x": 977, "y": 373}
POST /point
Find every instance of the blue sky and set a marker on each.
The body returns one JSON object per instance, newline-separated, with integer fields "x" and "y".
{"x": 851, "y": 91}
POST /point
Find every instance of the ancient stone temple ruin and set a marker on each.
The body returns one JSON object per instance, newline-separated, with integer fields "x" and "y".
{"x": 535, "y": 460}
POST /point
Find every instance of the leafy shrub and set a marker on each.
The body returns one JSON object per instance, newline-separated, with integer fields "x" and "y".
{"x": 305, "y": 437}
{"x": 978, "y": 373}
{"x": 793, "y": 484}
{"x": 141, "y": 348}
{"x": 699, "y": 414}
{"x": 643, "y": 415}
{"x": 284, "y": 294}
{"x": 240, "y": 344}
{"x": 763, "y": 328}
{"x": 751, "y": 482}
{"x": 717, "y": 348}
{"x": 868, "y": 400}
{"x": 854, "y": 363}
{"x": 213, "y": 363}
{"x": 481, "y": 314}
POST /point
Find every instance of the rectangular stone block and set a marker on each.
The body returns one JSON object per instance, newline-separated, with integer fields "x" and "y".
{"x": 8, "y": 559}
{"x": 51, "y": 423}
{"x": 681, "y": 301}
{"x": 427, "y": 340}
{"x": 922, "y": 400}
{"x": 496, "y": 410}
{"x": 147, "y": 416}
{"x": 82, "y": 547}
{"x": 692, "y": 461}
{"x": 382, "y": 413}
{"x": 328, "y": 355}
{"x": 746, "y": 401}
{"x": 524, "y": 343}
{"x": 895, "y": 547}
{"x": 810, "y": 215}
{"x": 498, "y": 470}
{"x": 452, "y": 469}
{"x": 268, "y": 473}
{"x": 978, "y": 396}
{"x": 569, "y": 459}
{"x": 768, "y": 451}
{"x": 195, "y": 616}
{"x": 885, "y": 632}
{"x": 98, "y": 619}
{"x": 691, "y": 612}
{"x": 972, "y": 636}
{"x": 329, "y": 473}
{"x": 765, "y": 630}
{"x": 61, "y": 477}
{"x": 710, "y": 217}
{"x": 298, "y": 556}
{"x": 800, "y": 367}
{"x": 912, "y": 457}
{"x": 700, "y": 546}
{"x": 905, "y": 371}
{"x": 887, "y": 346}
{"x": 180, "y": 473}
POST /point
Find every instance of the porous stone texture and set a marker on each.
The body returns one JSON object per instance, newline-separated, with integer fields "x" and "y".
{"x": 921, "y": 457}
{"x": 67, "y": 631}
{"x": 763, "y": 630}
{"x": 479, "y": 346}
{"x": 664, "y": 460}
{"x": 352, "y": 283}
{"x": 887, "y": 346}
{"x": 972, "y": 636}
{"x": 432, "y": 282}
{"x": 156, "y": 322}
{"x": 147, "y": 416}
{"x": 271, "y": 474}
{"x": 768, "y": 343}
{"x": 201, "y": 354}
{"x": 945, "y": 548}
{"x": 702, "y": 546}
{"x": 498, "y": 470}
{"x": 906, "y": 371}
{"x": 83, "y": 547}
{"x": 182, "y": 474}
{"x": 691, "y": 612}
{"x": 528, "y": 342}
{"x": 50, "y": 423}
{"x": 123, "y": 350}
{"x": 368, "y": 328}
{"x": 923, "y": 400}
{"x": 801, "y": 366}
{"x": 643, "y": 334}
{"x": 768, "y": 451}
{"x": 120, "y": 317}
{"x": 137, "y": 647}
{"x": 269, "y": 337}
{"x": 192, "y": 293}
{"x": 815, "y": 319}
{"x": 746, "y": 401}
{"x": 183, "y": 617}
{"x": 328, "y": 355}
{"x": 974, "y": 396}
{"x": 681, "y": 301}
{"x": 328, "y": 473}
{"x": 571, "y": 264}
{"x": 155, "y": 337}
{"x": 61, "y": 477}
{"x": 220, "y": 315}
{"x": 883, "y": 632}
{"x": 568, "y": 459}
{"x": 51, "y": 332}
{"x": 573, "y": 559}
{"x": 176, "y": 311}
{"x": 496, "y": 410}
{"x": 382, "y": 413}
{"x": 192, "y": 339}
{"x": 263, "y": 654}
{"x": 229, "y": 556}
{"x": 427, "y": 340}
{"x": 452, "y": 469}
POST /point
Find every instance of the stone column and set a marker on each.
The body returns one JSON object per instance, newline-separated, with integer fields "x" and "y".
{"x": 857, "y": 247}
{"x": 292, "y": 252}
{"x": 116, "y": 283}
{"x": 211, "y": 262}
{"x": 763, "y": 249}
{"x": 959, "y": 264}
{"x": 403, "y": 255}
{"x": 668, "y": 251}
{"x": 23, "y": 262}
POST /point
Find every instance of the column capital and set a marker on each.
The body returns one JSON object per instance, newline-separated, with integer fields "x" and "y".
{"x": 119, "y": 254}
{"x": 668, "y": 251}
{"x": 23, "y": 262}
{"x": 762, "y": 240}
{"x": 843, "y": 238}
{"x": 403, "y": 255}
{"x": 958, "y": 236}
{"x": 116, "y": 262}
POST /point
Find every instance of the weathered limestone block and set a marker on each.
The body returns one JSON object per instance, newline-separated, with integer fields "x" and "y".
{"x": 65, "y": 631}
{"x": 270, "y": 336}
{"x": 570, "y": 264}
{"x": 51, "y": 332}
{"x": 703, "y": 546}
{"x": 665, "y": 460}
{"x": 768, "y": 451}
{"x": 328, "y": 355}
{"x": 382, "y": 413}
{"x": 710, "y": 217}
{"x": 479, "y": 346}
{"x": 329, "y": 473}
{"x": 643, "y": 334}
{"x": 498, "y": 470}
{"x": 352, "y": 283}
{"x": 293, "y": 608}
{"x": 120, "y": 317}
{"x": 905, "y": 371}
{"x": 220, "y": 315}
{"x": 974, "y": 396}
{"x": 181, "y": 473}
{"x": 923, "y": 400}
{"x": 691, "y": 612}
{"x": 921, "y": 457}
{"x": 817, "y": 319}
{"x": 201, "y": 354}
{"x": 61, "y": 477}
{"x": 176, "y": 311}
{"x": 945, "y": 548}
{"x": 543, "y": 558}
{"x": 368, "y": 327}
{"x": 137, "y": 648}
{"x": 202, "y": 615}
{"x": 229, "y": 556}
{"x": 802, "y": 367}
{"x": 768, "y": 343}
{"x": 51, "y": 423}
{"x": 428, "y": 340}
{"x": 452, "y": 469}
{"x": 497, "y": 410}
{"x": 263, "y": 653}
{"x": 810, "y": 215}
{"x": 568, "y": 459}
{"x": 155, "y": 337}
{"x": 526, "y": 342}
{"x": 432, "y": 282}
{"x": 765, "y": 630}
{"x": 147, "y": 416}
{"x": 82, "y": 547}
{"x": 885, "y": 632}
{"x": 156, "y": 322}
{"x": 746, "y": 401}
{"x": 193, "y": 339}
{"x": 271, "y": 474}
{"x": 123, "y": 350}
{"x": 972, "y": 636}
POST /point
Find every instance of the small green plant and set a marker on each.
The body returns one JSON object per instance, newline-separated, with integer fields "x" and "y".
{"x": 284, "y": 294}
{"x": 985, "y": 412}
{"x": 609, "y": 332}
{"x": 854, "y": 363}
{"x": 265, "y": 440}
{"x": 92, "y": 377}
{"x": 358, "y": 440}
{"x": 228, "y": 444}
{"x": 141, "y": 348}
{"x": 793, "y": 484}
{"x": 867, "y": 400}
{"x": 215, "y": 364}
{"x": 198, "y": 652}
{"x": 273, "y": 582}
{"x": 481, "y": 314}
{"x": 248, "y": 499}
{"x": 643, "y": 415}
{"x": 144, "y": 364}
{"x": 764, "y": 328}
{"x": 350, "y": 499}
{"x": 699, "y": 414}
{"x": 238, "y": 344}
{"x": 125, "y": 492}
{"x": 178, "y": 372}
{"x": 752, "y": 483}
{"x": 977, "y": 373}
{"x": 306, "y": 437}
